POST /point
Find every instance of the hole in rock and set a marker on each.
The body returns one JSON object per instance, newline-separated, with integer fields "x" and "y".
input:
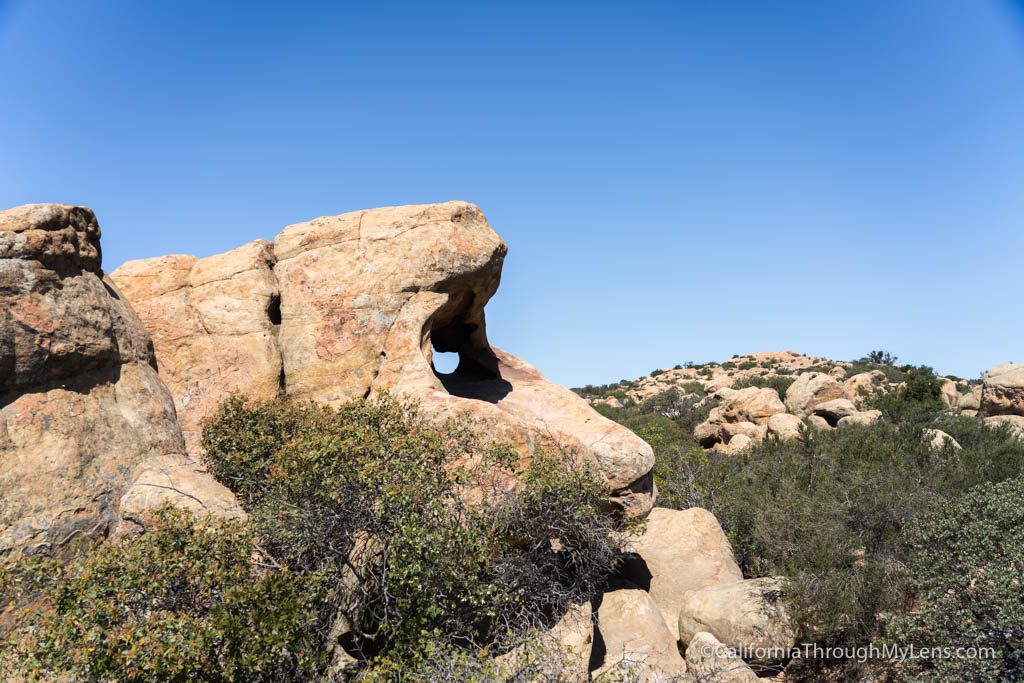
{"x": 445, "y": 363}
{"x": 274, "y": 309}
{"x": 466, "y": 365}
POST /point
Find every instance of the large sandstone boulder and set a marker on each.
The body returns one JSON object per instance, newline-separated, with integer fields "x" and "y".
{"x": 865, "y": 417}
{"x": 835, "y": 410}
{"x": 638, "y": 644}
{"x": 1002, "y": 390}
{"x": 862, "y": 387}
{"x": 950, "y": 393}
{"x": 747, "y": 615}
{"x": 741, "y": 411}
{"x": 350, "y": 306}
{"x": 213, "y": 324}
{"x": 971, "y": 401}
{"x": 811, "y": 388}
{"x": 679, "y": 551}
{"x": 82, "y": 411}
{"x": 1014, "y": 422}
{"x": 708, "y": 659}
{"x": 938, "y": 439}
{"x": 784, "y": 426}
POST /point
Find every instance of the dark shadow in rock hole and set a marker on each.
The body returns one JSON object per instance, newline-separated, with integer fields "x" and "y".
{"x": 598, "y": 650}
{"x": 477, "y": 375}
{"x": 634, "y": 570}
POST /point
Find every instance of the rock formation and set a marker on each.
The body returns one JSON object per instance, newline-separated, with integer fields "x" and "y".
{"x": 1002, "y": 390}
{"x": 680, "y": 551}
{"x": 350, "y": 306}
{"x": 82, "y": 411}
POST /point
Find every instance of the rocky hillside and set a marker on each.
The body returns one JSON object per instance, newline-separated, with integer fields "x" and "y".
{"x": 749, "y": 398}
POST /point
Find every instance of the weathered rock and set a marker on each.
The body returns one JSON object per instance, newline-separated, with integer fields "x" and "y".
{"x": 818, "y": 422}
{"x": 707, "y": 659}
{"x": 1015, "y": 422}
{"x": 212, "y": 321}
{"x": 679, "y": 550}
{"x": 950, "y": 393}
{"x": 971, "y": 400}
{"x": 81, "y": 408}
{"x": 747, "y": 615}
{"x": 810, "y": 389}
{"x": 638, "y": 644}
{"x": 742, "y": 411}
{"x": 838, "y": 372}
{"x": 1002, "y": 390}
{"x": 752, "y": 404}
{"x": 865, "y": 417}
{"x": 862, "y": 387}
{"x": 784, "y": 426}
{"x": 739, "y": 443}
{"x": 937, "y": 440}
{"x": 364, "y": 300}
{"x": 181, "y": 481}
{"x": 835, "y": 410}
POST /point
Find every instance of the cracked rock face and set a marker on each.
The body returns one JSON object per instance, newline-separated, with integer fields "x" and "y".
{"x": 81, "y": 407}
{"x": 349, "y": 306}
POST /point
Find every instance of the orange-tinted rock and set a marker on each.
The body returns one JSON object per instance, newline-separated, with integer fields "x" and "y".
{"x": 81, "y": 407}
{"x": 365, "y": 299}
{"x": 212, "y": 324}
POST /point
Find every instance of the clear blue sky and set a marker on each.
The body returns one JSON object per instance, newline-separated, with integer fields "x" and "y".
{"x": 676, "y": 180}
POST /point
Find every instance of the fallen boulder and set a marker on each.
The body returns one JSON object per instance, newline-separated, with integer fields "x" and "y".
{"x": 679, "y": 551}
{"x": 637, "y": 643}
{"x": 747, "y": 615}
{"x": 811, "y": 388}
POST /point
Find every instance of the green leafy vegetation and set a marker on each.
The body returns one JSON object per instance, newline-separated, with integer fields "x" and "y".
{"x": 864, "y": 522}
{"x": 779, "y": 383}
{"x": 368, "y": 527}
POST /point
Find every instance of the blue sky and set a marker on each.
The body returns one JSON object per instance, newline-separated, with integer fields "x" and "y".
{"x": 676, "y": 180}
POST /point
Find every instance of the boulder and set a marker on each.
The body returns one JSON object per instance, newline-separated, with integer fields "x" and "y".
{"x": 835, "y": 410}
{"x": 351, "y": 306}
{"x": 752, "y": 404}
{"x": 212, "y": 321}
{"x": 937, "y": 440}
{"x": 862, "y": 386}
{"x": 818, "y": 422}
{"x": 1015, "y": 422}
{"x": 950, "y": 393}
{"x": 747, "y": 615}
{"x": 678, "y": 551}
{"x": 971, "y": 400}
{"x": 865, "y": 417}
{"x": 784, "y": 426}
{"x": 1002, "y": 390}
{"x": 810, "y": 389}
{"x": 738, "y": 444}
{"x": 707, "y": 659}
{"x": 82, "y": 410}
{"x": 741, "y": 411}
{"x": 838, "y": 372}
{"x": 638, "y": 645}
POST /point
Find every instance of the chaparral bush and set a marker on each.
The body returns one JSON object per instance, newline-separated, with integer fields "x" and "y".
{"x": 416, "y": 546}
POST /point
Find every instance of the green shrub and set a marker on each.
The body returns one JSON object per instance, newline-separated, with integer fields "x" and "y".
{"x": 776, "y": 382}
{"x": 375, "y": 497}
{"x": 747, "y": 365}
{"x": 918, "y": 402}
{"x": 967, "y": 566}
{"x": 185, "y": 601}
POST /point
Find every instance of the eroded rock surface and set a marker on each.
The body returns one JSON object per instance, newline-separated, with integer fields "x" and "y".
{"x": 351, "y": 306}
{"x": 680, "y": 551}
{"x": 1002, "y": 390}
{"x": 81, "y": 407}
